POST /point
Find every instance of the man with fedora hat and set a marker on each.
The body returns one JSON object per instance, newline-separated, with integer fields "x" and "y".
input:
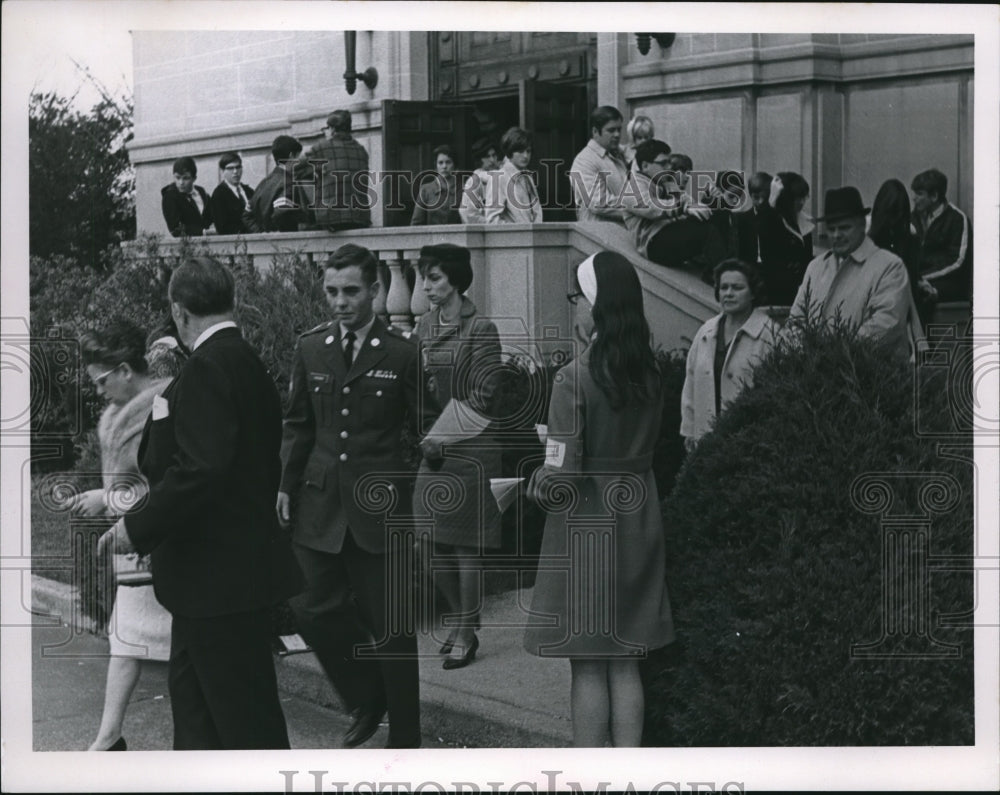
{"x": 342, "y": 202}
{"x": 864, "y": 285}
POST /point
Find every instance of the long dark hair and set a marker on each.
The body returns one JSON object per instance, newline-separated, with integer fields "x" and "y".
{"x": 794, "y": 187}
{"x": 622, "y": 363}
{"x": 890, "y": 215}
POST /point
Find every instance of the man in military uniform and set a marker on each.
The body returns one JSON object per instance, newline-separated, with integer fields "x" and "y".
{"x": 354, "y": 384}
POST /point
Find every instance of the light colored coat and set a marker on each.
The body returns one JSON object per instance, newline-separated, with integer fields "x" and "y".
{"x": 752, "y": 341}
{"x": 869, "y": 290}
{"x": 511, "y": 197}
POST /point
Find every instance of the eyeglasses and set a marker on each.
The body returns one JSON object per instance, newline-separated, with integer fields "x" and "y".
{"x": 103, "y": 377}
{"x": 574, "y": 297}
{"x": 234, "y": 167}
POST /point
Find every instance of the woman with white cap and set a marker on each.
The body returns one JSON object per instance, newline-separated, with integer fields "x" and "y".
{"x": 600, "y": 598}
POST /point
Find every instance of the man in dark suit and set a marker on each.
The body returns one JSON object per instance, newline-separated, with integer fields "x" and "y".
{"x": 355, "y": 384}
{"x": 210, "y": 451}
{"x": 231, "y": 197}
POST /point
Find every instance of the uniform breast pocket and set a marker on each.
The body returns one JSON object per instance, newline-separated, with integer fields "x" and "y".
{"x": 380, "y": 407}
{"x": 321, "y": 394}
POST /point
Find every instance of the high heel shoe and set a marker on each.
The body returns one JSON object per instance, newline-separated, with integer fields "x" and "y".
{"x": 460, "y": 662}
{"x": 119, "y": 745}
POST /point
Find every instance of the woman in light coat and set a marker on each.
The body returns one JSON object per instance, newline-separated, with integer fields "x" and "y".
{"x": 139, "y": 627}
{"x": 511, "y": 195}
{"x": 725, "y": 349}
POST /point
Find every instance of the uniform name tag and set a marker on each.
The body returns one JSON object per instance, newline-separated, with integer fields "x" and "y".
{"x": 389, "y": 375}
{"x": 555, "y": 452}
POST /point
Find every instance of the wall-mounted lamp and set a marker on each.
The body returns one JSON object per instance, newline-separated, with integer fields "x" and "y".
{"x": 351, "y": 77}
{"x": 663, "y": 39}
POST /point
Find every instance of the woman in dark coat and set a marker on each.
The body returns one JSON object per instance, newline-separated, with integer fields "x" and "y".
{"x": 601, "y": 599}
{"x": 231, "y": 198}
{"x": 438, "y": 199}
{"x": 186, "y": 206}
{"x": 786, "y": 241}
{"x": 461, "y": 356}
{"x": 891, "y": 230}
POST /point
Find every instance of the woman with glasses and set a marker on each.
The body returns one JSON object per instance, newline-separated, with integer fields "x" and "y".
{"x": 231, "y": 199}
{"x": 601, "y": 599}
{"x": 140, "y": 627}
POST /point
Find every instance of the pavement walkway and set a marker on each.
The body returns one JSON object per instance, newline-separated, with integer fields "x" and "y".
{"x": 505, "y": 699}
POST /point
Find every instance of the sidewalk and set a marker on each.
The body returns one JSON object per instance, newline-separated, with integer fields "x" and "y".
{"x": 505, "y": 699}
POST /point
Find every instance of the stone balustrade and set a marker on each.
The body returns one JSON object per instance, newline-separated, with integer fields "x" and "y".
{"x": 521, "y": 274}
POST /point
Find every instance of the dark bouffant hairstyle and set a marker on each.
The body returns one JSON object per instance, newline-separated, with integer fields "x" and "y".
{"x": 116, "y": 343}
{"x": 454, "y": 262}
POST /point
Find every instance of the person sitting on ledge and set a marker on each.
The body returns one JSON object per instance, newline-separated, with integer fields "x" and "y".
{"x": 666, "y": 226}
{"x": 280, "y": 204}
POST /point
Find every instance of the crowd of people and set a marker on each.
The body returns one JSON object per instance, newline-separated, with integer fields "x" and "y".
{"x": 677, "y": 217}
{"x": 245, "y": 506}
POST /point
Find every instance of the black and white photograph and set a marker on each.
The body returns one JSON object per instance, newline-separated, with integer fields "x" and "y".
{"x": 485, "y": 397}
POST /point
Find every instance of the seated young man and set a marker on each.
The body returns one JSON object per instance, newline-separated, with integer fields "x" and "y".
{"x": 944, "y": 235}
{"x": 666, "y": 226}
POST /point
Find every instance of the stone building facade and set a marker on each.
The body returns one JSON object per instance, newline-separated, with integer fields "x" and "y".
{"x": 838, "y": 108}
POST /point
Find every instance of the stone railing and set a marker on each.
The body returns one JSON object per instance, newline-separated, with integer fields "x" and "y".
{"x": 521, "y": 274}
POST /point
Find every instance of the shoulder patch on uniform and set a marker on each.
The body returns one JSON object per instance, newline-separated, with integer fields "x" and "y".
{"x": 317, "y": 329}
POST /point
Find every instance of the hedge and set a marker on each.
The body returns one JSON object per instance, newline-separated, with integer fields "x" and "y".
{"x": 775, "y": 562}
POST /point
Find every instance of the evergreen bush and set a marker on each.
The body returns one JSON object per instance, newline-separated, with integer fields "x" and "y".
{"x": 775, "y": 570}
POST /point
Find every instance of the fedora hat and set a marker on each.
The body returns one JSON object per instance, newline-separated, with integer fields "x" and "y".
{"x": 843, "y": 203}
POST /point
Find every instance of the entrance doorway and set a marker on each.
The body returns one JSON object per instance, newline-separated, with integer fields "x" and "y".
{"x": 555, "y": 114}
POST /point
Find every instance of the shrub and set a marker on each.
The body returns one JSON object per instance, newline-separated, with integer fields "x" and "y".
{"x": 774, "y": 572}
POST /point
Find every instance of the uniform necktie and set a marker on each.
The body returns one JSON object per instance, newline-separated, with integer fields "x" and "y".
{"x": 349, "y": 338}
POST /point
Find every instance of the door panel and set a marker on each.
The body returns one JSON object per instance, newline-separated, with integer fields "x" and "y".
{"x": 556, "y": 115}
{"x": 411, "y": 131}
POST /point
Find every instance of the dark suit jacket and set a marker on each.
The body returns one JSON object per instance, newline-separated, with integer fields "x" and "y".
{"x": 213, "y": 469}
{"x": 227, "y": 209}
{"x": 344, "y": 428}
{"x": 181, "y": 213}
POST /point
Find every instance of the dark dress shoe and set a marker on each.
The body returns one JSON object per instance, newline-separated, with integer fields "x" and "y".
{"x": 119, "y": 745}
{"x": 364, "y": 724}
{"x": 451, "y": 663}
{"x": 446, "y": 647}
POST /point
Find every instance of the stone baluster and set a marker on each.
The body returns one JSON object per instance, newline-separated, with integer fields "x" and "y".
{"x": 379, "y": 304}
{"x": 419, "y": 304}
{"x": 397, "y": 301}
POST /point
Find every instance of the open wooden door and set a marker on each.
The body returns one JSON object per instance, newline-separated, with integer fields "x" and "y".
{"x": 410, "y": 132}
{"x": 557, "y": 116}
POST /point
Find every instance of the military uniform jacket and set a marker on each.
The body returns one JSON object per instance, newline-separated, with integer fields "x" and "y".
{"x": 341, "y": 448}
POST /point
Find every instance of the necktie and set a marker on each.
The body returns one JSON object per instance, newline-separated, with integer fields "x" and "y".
{"x": 349, "y": 338}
